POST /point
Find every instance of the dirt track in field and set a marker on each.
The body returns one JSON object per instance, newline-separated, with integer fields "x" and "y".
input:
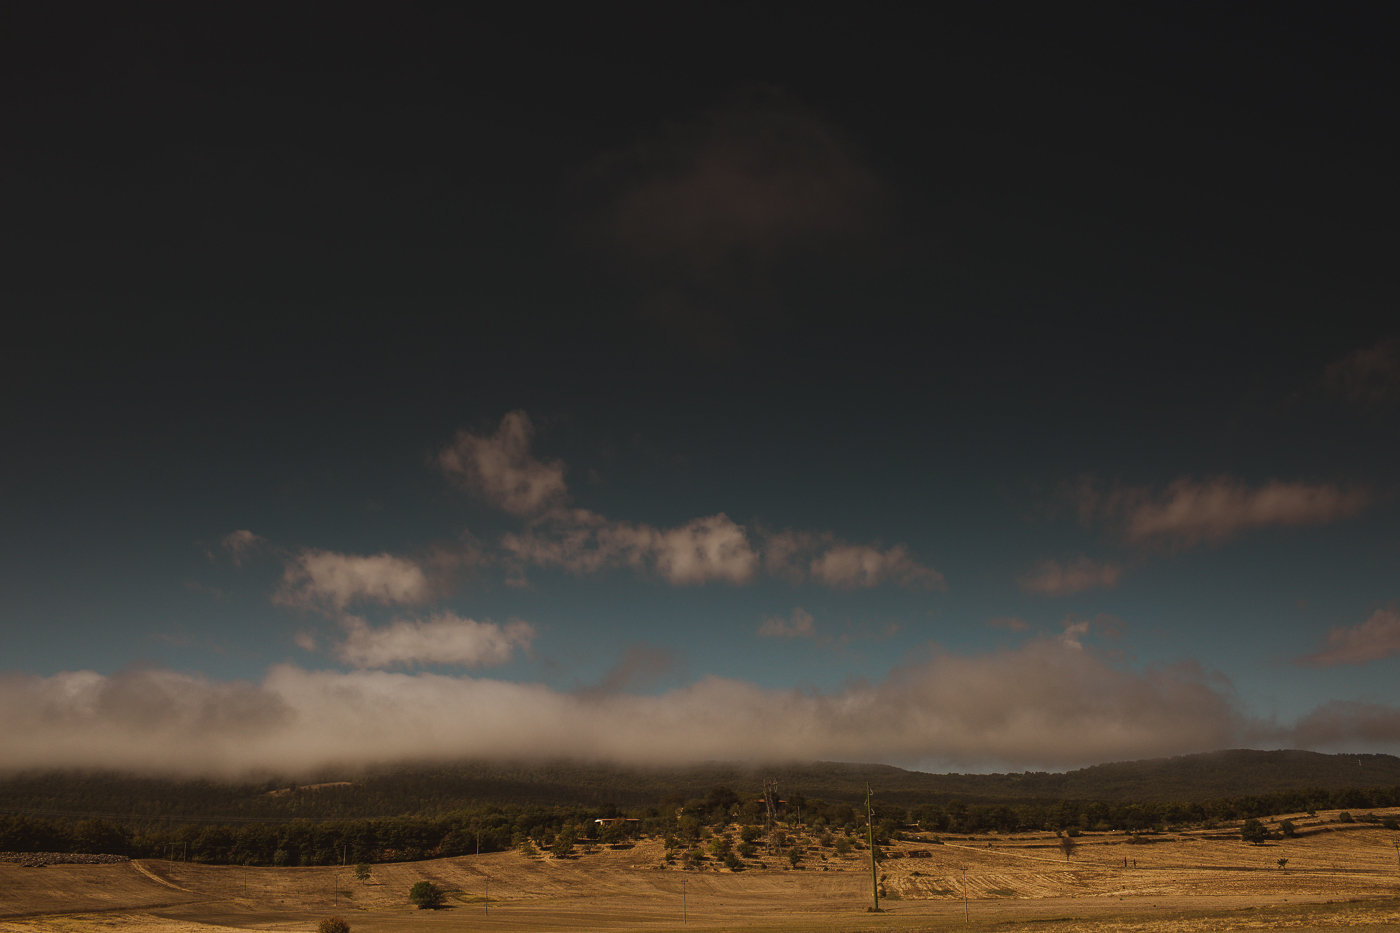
{"x": 1337, "y": 876}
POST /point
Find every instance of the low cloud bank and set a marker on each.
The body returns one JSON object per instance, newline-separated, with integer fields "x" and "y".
{"x": 1043, "y": 704}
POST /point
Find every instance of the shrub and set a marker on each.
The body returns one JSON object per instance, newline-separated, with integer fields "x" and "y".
{"x": 333, "y": 925}
{"x": 426, "y": 895}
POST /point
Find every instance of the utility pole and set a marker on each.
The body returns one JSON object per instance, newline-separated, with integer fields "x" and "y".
{"x": 964, "y": 871}
{"x": 684, "y": 910}
{"x": 870, "y": 830}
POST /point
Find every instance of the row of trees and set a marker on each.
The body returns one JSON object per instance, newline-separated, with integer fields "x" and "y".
{"x": 495, "y": 828}
{"x": 301, "y": 842}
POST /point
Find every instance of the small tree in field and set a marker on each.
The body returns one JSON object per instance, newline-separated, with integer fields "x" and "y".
{"x": 426, "y": 895}
{"x": 361, "y": 872}
{"x": 333, "y": 925}
{"x": 1281, "y": 863}
{"x": 1067, "y": 846}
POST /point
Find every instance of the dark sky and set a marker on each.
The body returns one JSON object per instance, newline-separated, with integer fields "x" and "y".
{"x": 754, "y": 355}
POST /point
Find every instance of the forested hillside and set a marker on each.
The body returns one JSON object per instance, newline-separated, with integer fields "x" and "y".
{"x": 416, "y": 811}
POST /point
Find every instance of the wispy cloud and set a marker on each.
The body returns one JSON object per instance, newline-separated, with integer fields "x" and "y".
{"x": 1347, "y": 724}
{"x": 329, "y": 582}
{"x": 798, "y": 624}
{"x": 1376, "y": 638}
{"x": 1190, "y": 512}
{"x": 701, "y": 215}
{"x": 639, "y": 667}
{"x": 442, "y": 639}
{"x": 501, "y": 469}
{"x": 1052, "y": 578}
{"x": 1368, "y": 376}
{"x": 241, "y": 543}
{"x": 799, "y": 555}
{"x": 741, "y": 183}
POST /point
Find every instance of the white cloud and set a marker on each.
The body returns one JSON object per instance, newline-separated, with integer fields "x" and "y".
{"x": 1052, "y": 578}
{"x": 859, "y": 566}
{"x": 1073, "y": 634}
{"x": 1376, "y": 638}
{"x": 240, "y": 544}
{"x": 501, "y": 469}
{"x": 1042, "y": 704}
{"x": 700, "y": 551}
{"x": 328, "y": 581}
{"x": 703, "y": 549}
{"x": 797, "y": 625}
{"x": 1189, "y": 512}
{"x": 442, "y": 639}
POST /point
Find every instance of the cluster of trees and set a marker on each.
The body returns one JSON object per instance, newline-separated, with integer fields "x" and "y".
{"x": 303, "y": 842}
{"x": 685, "y": 823}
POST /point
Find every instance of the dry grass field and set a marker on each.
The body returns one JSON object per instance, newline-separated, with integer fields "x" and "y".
{"x": 1338, "y": 876}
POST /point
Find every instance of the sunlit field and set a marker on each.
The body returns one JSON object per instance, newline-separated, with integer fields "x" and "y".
{"x": 1332, "y": 875}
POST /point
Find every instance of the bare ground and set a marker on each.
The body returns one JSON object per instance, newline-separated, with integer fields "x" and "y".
{"x": 1338, "y": 876}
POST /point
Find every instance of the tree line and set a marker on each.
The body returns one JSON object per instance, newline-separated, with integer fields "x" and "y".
{"x": 491, "y": 828}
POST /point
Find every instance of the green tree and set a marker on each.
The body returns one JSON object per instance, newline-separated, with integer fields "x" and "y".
{"x": 426, "y": 895}
{"x": 564, "y": 842}
{"x": 361, "y": 872}
{"x": 1253, "y": 832}
{"x": 333, "y": 925}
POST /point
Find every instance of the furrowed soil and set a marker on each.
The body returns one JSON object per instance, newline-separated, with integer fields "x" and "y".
{"x": 1337, "y": 876}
